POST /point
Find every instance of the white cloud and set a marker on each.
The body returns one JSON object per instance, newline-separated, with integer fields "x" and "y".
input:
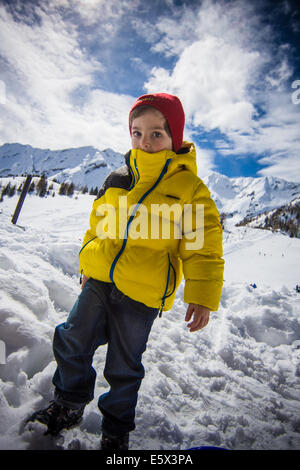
{"x": 104, "y": 14}
{"x": 217, "y": 18}
{"x": 281, "y": 71}
{"x": 139, "y": 64}
{"x": 275, "y": 140}
{"x": 145, "y": 30}
{"x": 214, "y": 91}
{"x": 45, "y": 71}
{"x": 205, "y": 158}
{"x": 226, "y": 70}
{"x": 214, "y": 69}
{"x": 279, "y": 133}
{"x": 227, "y": 67}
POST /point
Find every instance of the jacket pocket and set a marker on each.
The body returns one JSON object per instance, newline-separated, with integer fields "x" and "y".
{"x": 171, "y": 271}
{"x": 171, "y": 280}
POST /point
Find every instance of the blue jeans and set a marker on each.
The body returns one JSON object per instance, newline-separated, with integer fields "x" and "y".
{"x": 103, "y": 315}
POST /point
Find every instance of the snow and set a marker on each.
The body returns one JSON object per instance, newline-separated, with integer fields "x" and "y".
{"x": 247, "y": 196}
{"x": 83, "y": 166}
{"x": 262, "y": 257}
{"x": 234, "y": 384}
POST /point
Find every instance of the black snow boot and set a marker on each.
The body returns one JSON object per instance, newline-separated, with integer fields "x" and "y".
{"x": 57, "y": 417}
{"x": 115, "y": 442}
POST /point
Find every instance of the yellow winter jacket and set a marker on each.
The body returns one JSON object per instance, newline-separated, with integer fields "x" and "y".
{"x": 154, "y": 222}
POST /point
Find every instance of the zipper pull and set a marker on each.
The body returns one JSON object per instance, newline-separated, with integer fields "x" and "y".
{"x": 161, "y": 308}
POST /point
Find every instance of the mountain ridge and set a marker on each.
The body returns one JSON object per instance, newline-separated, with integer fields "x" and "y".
{"x": 237, "y": 197}
{"x": 82, "y": 165}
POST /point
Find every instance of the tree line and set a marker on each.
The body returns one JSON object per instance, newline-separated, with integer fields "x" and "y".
{"x": 42, "y": 188}
{"x": 285, "y": 219}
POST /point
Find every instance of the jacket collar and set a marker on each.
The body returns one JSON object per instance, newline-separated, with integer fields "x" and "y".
{"x": 146, "y": 167}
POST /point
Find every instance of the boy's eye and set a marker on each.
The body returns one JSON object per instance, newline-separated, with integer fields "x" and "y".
{"x": 157, "y": 134}
{"x": 136, "y": 133}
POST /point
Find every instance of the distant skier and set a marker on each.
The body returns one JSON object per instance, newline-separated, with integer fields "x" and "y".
{"x": 128, "y": 281}
{"x": 253, "y": 285}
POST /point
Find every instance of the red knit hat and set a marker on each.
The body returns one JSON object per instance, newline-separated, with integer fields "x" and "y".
{"x": 171, "y": 108}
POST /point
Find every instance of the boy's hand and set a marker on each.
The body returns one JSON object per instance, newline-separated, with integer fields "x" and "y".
{"x": 200, "y": 319}
{"x": 83, "y": 281}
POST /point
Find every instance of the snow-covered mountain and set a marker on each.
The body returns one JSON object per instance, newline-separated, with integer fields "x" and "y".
{"x": 247, "y": 197}
{"x": 285, "y": 219}
{"x": 84, "y": 166}
{"x": 87, "y": 166}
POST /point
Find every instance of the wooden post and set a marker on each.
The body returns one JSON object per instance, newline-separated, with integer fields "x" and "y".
{"x": 21, "y": 199}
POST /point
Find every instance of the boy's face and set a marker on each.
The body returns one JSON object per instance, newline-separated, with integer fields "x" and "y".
{"x": 148, "y": 132}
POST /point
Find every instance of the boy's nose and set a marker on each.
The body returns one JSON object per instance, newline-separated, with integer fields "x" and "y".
{"x": 145, "y": 143}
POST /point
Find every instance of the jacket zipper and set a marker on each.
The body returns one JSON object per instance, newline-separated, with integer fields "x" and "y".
{"x": 111, "y": 273}
{"x": 132, "y": 174}
{"x": 164, "y": 170}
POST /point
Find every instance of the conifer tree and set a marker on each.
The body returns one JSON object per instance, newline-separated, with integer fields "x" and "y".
{"x": 11, "y": 191}
{"x": 62, "y": 189}
{"x": 41, "y": 186}
{"x": 70, "y": 189}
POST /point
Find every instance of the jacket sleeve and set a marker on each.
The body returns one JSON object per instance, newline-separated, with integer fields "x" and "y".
{"x": 90, "y": 234}
{"x": 201, "y": 255}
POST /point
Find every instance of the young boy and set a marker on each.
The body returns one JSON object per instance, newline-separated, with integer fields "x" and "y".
{"x": 130, "y": 276}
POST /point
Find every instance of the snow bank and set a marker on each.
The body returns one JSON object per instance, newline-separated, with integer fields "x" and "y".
{"x": 234, "y": 384}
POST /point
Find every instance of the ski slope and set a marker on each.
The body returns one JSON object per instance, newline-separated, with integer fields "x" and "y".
{"x": 234, "y": 384}
{"x": 261, "y": 257}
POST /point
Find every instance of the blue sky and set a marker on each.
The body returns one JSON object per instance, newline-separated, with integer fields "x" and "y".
{"x": 71, "y": 69}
